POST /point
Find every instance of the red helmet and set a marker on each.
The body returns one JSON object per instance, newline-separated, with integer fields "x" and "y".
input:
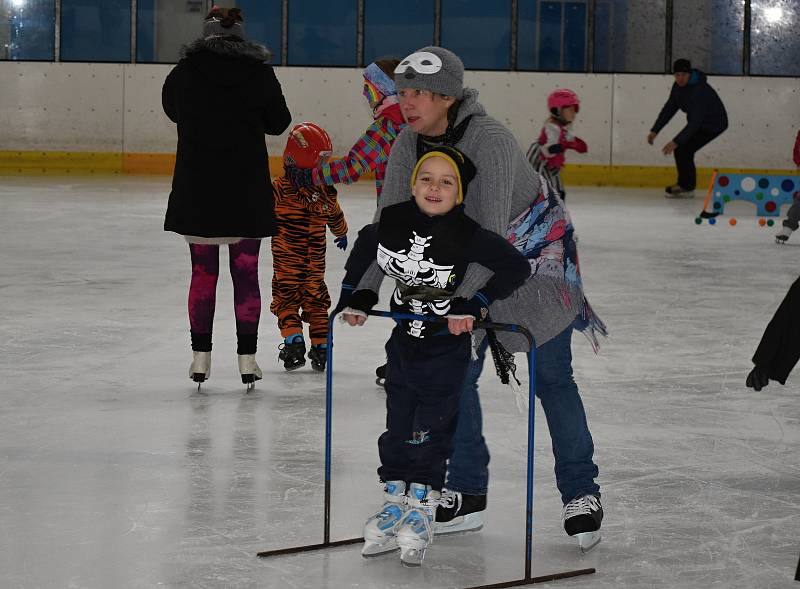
{"x": 307, "y": 146}
{"x": 562, "y": 97}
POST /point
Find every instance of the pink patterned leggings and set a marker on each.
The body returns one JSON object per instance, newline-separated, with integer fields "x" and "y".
{"x": 246, "y": 294}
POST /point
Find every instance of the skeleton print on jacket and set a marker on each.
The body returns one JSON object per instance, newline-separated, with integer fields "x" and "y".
{"x": 428, "y": 256}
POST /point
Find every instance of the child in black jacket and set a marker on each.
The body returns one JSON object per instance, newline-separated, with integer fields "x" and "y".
{"x": 425, "y": 244}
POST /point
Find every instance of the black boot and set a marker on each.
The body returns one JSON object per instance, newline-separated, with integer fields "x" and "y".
{"x": 318, "y": 354}
{"x": 293, "y": 355}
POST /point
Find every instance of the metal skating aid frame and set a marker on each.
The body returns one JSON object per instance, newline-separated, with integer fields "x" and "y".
{"x": 326, "y": 531}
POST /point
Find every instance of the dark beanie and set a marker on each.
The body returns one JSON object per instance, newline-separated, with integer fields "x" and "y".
{"x": 464, "y": 167}
{"x": 682, "y": 65}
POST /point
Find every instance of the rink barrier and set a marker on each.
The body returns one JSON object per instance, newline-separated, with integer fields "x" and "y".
{"x": 327, "y": 543}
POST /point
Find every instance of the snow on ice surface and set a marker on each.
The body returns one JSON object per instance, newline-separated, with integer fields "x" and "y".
{"x": 116, "y": 472}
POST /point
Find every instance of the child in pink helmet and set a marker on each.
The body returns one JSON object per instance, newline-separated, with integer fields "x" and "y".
{"x": 548, "y": 153}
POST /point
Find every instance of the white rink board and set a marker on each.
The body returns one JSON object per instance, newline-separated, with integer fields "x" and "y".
{"x": 519, "y": 101}
{"x": 147, "y": 128}
{"x": 763, "y": 114}
{"x": 61, "y": 107}
{"x": 90, "y": 107}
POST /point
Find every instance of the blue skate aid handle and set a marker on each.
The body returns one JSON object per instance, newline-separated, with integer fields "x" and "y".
{"x": 512, "y": 327}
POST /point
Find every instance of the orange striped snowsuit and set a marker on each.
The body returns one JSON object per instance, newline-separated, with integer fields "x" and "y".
{"x": 298, "y": 257}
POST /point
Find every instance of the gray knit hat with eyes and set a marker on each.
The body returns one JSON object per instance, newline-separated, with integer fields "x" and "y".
{"x": 432, "y": 68}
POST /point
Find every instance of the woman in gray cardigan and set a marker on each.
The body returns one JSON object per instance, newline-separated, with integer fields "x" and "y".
{"x": 439, "y": 110}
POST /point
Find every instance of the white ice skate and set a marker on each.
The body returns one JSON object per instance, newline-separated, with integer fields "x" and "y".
{"x": 783, "y": 235}
{"x": 415, "y": 530}
{"x": 379, "y": 530}
{"x": 582, "y": 518}
{"x": 459, "y": 512}
{"x": 249, "y": 370}
{"x": 200, "y": 370}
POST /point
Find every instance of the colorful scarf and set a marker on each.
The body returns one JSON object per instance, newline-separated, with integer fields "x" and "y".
{"x": 544, "y": 234}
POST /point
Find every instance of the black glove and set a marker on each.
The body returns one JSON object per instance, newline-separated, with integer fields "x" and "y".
{"x": 344, "y": 297}
{"x": 757, "y": 379}
{"x": 362, "y": 300}
{"x": 477, "y": 306}
{"x": 299, "y": 177}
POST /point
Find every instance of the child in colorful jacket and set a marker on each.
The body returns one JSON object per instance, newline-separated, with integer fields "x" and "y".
{"x": 302, "y": 215}
{"x": 371, "y": 151}
{"x": 547, "y": 154}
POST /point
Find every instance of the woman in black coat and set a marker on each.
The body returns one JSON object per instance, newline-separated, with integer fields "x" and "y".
{"x": 224, "y": 97}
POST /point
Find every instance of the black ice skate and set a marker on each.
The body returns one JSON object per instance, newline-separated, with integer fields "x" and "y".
{"x": 459, "y": 512}
{"x": 318, "y": 354}
{"x": 293, "y": 355}
{"x": 582, "y": 518}
{"x": 380, "y": 376}
{"x": 678, "y": 191}
{"x": 783, "y": 235}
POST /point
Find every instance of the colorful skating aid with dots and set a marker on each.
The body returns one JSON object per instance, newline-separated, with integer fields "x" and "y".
{"x": 769, "y": 193}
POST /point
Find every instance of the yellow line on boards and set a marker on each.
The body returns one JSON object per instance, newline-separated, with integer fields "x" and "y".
{"x": 80, "y": 162}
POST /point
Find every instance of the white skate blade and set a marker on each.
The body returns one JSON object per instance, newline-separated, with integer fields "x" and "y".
{"x": 377, "y": 548}
{"x": 588, "y": 540}
{"x": 412, "y": 557}
{"x": 472, "y": 522}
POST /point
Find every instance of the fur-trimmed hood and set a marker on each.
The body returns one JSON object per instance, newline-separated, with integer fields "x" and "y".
{"x": 228, "y": 46}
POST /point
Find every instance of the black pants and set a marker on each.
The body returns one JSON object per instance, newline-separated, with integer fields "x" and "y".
{"x": 423, "y": 388}
{"x": 684, "y": 157}
{"x": 792, "y": 220}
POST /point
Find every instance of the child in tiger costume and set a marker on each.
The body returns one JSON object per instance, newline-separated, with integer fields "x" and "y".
{"x": 299, "y": 293}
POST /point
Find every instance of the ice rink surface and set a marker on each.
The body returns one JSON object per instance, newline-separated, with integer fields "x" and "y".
{"x": 115, "y": 472}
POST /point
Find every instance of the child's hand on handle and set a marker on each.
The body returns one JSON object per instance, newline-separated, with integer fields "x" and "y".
{"x": 358, "y": 305}
{"x": 463, "y": 313}
{"x": 354, "y": 317}
{"x": 458, "y": 325}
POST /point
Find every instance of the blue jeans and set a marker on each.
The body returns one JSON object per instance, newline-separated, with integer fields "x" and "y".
{"x": 573, "y": 448}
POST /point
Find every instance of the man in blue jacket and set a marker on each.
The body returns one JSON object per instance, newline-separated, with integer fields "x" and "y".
{"x": 706, "y": 119}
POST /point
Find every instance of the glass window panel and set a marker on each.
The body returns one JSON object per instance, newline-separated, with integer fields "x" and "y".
{"x": 95, "y": 30}
{"x": 262, "y": 22}
{"x": 479, "y": 32}
{"x": 164, "y": 26}
{"x": 574, "y": 37}
{"x": 526, "y": 35}
{"x": 322, "y": 32}
{"x": 550, "y": 35}
{"x": 603, "y": 12}
{"x": 774, "y": 39}
{"x": 388, "y": 31}
{"x": 27, "y": 29}
{"x": 709, "y": 34}
{"x": 630, "y": 35}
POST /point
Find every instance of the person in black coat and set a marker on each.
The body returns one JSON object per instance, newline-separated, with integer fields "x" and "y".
{"x": 706, "y": 119}
{"x": 779, "y": 349}
{"x": 225, "y": 97}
